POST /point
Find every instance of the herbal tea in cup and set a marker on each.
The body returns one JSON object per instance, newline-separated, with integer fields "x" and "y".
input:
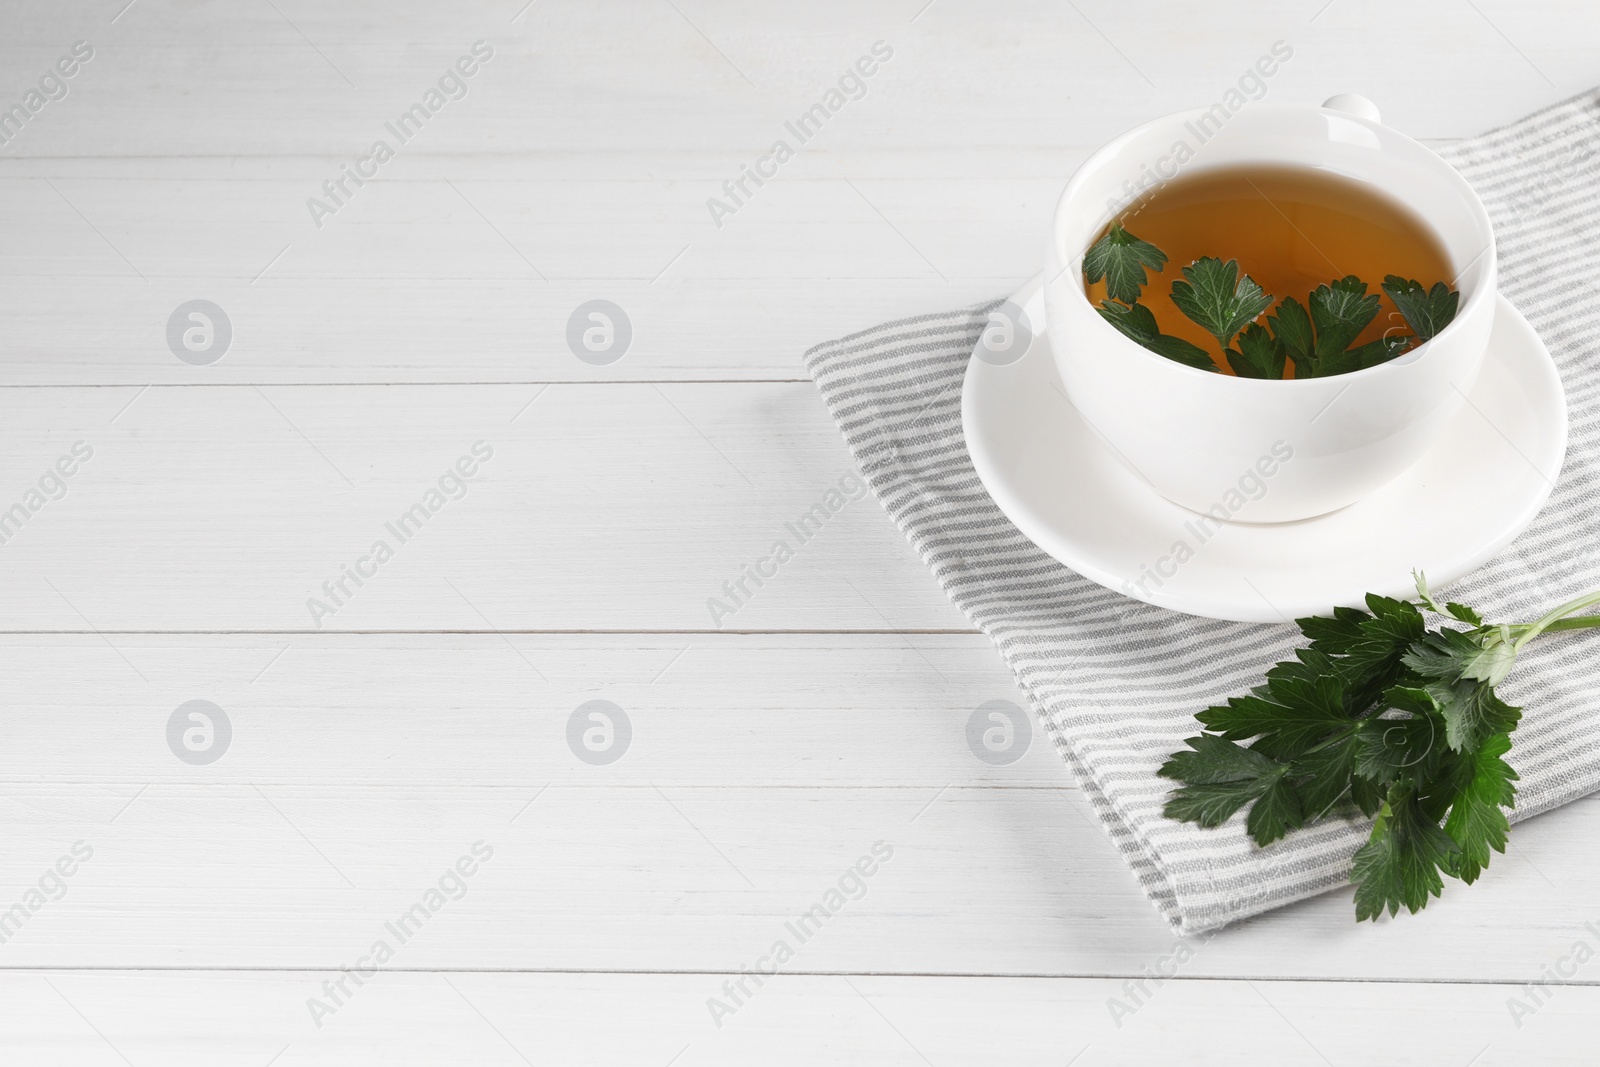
{"x": 1307, "y": 281}
{"x": 1271, "y": 272}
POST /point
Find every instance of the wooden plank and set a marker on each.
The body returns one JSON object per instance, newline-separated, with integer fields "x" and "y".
{"x": 647, "y": 77}
{"x": 602, "y": 1019}
{"x": 759, "y": 771}
{"x": 603, "y": 507}
{"x": 458, "y": 279}
{"x": 479, "y": 711}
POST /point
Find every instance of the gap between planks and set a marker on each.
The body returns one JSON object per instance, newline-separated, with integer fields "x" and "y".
{"x": 925, "y": 632}
{"x": 1581, "y": 983}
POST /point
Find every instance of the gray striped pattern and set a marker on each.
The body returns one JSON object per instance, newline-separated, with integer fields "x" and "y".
{"x": 1116, "y": 682}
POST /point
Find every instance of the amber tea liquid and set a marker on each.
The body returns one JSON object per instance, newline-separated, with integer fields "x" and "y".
{"x": 1291, "y": 229}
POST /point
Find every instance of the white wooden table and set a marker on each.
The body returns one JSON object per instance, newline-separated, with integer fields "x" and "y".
{"x": 374, "y": 743}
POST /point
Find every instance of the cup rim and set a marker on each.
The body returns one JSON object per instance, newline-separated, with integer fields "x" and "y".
{"x": 1480, "y": 217}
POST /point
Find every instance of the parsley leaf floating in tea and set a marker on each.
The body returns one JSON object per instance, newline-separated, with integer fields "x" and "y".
{"x": 1382, "y": 714}
{"x": 1258, "y": 355}
{"x": 1426, "y": 311}
{"x": 1291, "y": 326}
{"x": 1213, "y": 294}
{"x": 1339, "y": 311}
{"x": 1319, "y": 341}
{"x": 1121, "y": 258}
{"x": 1138, "y": 323}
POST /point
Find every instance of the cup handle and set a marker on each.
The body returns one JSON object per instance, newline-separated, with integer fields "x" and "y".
{"x": 1354, "y": 104}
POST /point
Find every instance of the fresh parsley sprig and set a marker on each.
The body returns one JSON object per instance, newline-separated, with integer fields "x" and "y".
{"x": 1382, "y": 714}
{"x": 1316, "y": 340}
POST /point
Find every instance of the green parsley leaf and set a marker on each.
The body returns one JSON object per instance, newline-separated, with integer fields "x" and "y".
{"x": 1460, "y": 612}
{"x": 1424, "y": 594}
{"x": 1472, "y": 712}
{"x": 1258, "y": 356}
{"x": 1214, "y": 295}
{"x": 1340, "y": 311}
{"x": 1275, "y": 813}
{"x": 1322, "y": 774}
{"x": 1426, "y": 311}
{"x": 1308, "y": 665}
{"x": 1221, "y": 778}
{"x": 1443, "y": 654}
{"x": 1212, "y": 760}
{"x": 1367, "y": 648}
{"x": 1285, "y": 715}
{"x": 1400, "y": 863}
{"x": 1291, "y": 326}
{"x": 1495, "y": 661}
{"x": 1477, "y": 821}
{"x": 1368, "y": 355}
{"x": 1138, "y": 324}
{"x": 1334, "y": 635}
{"x": 1368, "y": 795}
{"x": 1121, "y": 258}
{"x": 1484, "y": 655}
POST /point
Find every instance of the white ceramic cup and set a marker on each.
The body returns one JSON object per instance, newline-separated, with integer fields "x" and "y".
{"x": 1250, "y": 449}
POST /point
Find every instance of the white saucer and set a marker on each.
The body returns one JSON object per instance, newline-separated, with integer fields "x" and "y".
{"x": 1064, "y": 488}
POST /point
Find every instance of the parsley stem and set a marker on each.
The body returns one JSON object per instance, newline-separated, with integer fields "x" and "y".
{"x": 1551, "y": 619}
{"x": 1582, "y": 622}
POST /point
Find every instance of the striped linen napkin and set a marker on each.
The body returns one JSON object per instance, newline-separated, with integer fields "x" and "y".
{"x": 1116, "y": 682}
